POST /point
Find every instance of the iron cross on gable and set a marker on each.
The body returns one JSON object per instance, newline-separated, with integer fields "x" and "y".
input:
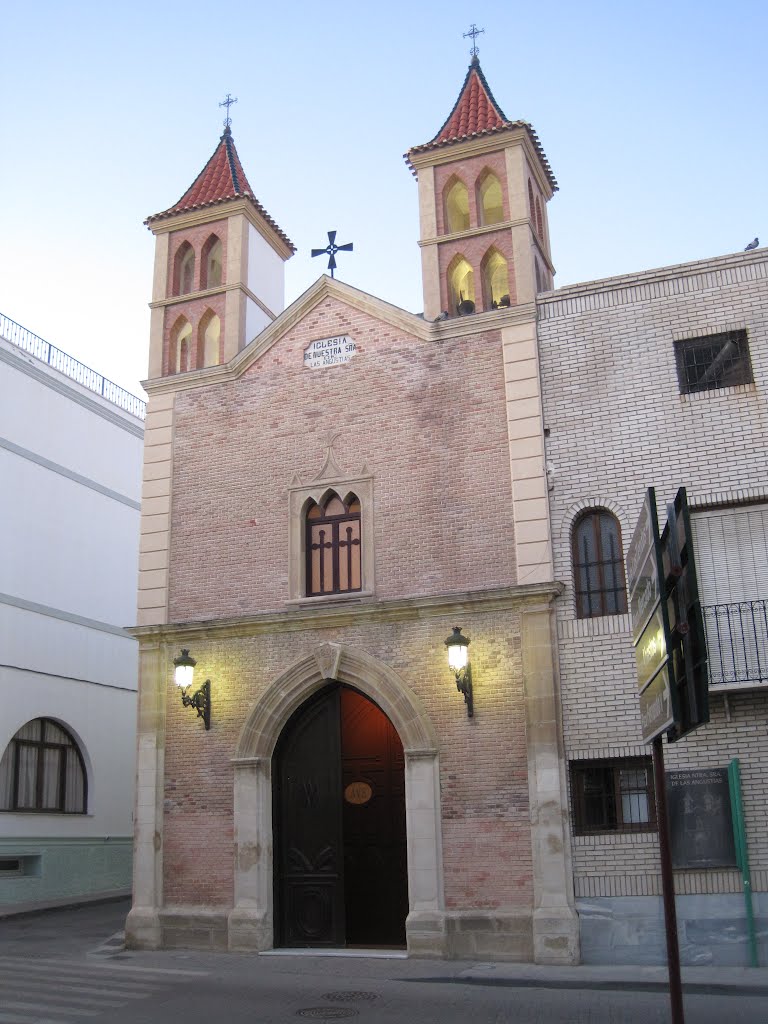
{"x": 228, "y": 103}
{"x": 474, "y": 32}
{"x": 331, "y": 249}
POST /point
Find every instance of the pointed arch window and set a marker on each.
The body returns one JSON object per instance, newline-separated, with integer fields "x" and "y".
{"x": 42, "y": 769}
{"x": 495, "y": 280}
{"x": 211, "y": 269}
{"x": 182, "y": 346}
{"x": 531, "y": 204}
{"x": 333, "y": 546}
{"x": 598, "y": 565}
{"x": 539, "y": 220}
{"x": 490, "y": 204}
{"x": 461, "y": 284}
{"x": 184, "y": 269}
{"x": 210, "y": 329}
{"x": 457, "y": 207}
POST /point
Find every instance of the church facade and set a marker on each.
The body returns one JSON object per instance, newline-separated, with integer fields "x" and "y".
{"x": 320, "y": 515}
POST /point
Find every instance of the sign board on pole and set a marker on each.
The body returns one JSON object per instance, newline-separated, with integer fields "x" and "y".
{"x": 687, "y": 647}
{"x": 650, "y": 624}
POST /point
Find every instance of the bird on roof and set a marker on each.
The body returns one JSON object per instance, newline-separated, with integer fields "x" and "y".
{"x": 752, "y": 245}
{"x": 441, "y": 316}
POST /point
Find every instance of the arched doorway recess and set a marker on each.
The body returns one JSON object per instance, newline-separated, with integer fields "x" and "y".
{"x": 338, "y": 783}
{"x": 251, "y": 923}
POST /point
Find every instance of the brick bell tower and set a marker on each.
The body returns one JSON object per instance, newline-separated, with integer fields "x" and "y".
{"x": 219, "y": 276}
{"x": 484, "y": 183}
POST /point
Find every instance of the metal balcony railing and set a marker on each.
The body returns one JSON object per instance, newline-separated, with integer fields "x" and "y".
{"x": 77, "y": 371}
{"x": 737, "y": 643}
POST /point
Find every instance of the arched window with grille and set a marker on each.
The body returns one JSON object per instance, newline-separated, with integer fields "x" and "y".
{"x": 598, "y": 565}
{"x": 333, "y": 546}
{"x": 43, "y": 770}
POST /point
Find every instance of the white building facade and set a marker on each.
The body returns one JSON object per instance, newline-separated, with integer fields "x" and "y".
{"x": 658, "y": 379}
{"x": 70, "y": 466}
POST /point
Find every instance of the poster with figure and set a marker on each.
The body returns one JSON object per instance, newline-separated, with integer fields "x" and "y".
{"x": 700, "y": 824}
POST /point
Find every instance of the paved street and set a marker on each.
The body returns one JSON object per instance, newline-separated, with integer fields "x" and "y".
{"x": 66, "y": 966}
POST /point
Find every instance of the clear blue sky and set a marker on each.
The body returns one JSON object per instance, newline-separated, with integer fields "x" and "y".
{"x": 653, "y": 117}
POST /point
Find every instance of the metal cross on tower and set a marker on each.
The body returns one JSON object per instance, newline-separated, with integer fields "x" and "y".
{"x": 228, "y": 103}
{"x": 331, "y": 249}
{"x": 474, "y": 32}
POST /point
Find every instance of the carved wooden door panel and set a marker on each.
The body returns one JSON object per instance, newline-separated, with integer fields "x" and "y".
{"x": 339, "y": 825}
{"x": 309, "y": 852}
{"x": 375, "y": 860}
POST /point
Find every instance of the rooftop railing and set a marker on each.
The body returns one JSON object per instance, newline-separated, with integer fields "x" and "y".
{"x": 737, "y": 644}
{"x": 72, "y": 368}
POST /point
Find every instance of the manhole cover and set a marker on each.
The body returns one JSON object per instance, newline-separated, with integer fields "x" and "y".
{"x": 328, "y": 1012}
{"x": 348, "y": 997}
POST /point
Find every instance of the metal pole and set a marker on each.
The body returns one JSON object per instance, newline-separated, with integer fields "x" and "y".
{"x": 667, "y": 886}
{"x": 740, "y": 837}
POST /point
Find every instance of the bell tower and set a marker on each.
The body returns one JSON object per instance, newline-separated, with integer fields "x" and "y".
{"x": 484, "y": 183}
{"x": 219, "y": 276}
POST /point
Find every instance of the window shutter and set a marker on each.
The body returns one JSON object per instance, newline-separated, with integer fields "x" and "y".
{"x": 731, "y": 547}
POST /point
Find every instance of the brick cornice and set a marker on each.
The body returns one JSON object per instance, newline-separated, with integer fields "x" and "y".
{"x": 354, "y": 613}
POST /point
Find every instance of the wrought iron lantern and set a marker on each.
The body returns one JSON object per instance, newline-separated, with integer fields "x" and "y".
{"x": 458, "y": 662}
{"x": 200, "y": 700}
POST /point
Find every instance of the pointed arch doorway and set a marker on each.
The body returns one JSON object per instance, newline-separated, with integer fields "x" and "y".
{"x": 341, "y": 876}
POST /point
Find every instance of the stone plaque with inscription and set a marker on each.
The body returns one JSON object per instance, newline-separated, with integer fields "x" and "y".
{"x": 329, "y": 352}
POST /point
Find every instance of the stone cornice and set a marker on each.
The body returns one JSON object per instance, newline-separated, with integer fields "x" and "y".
{"x": 175, "y": 300}
{"x": 325, "y": 287}
{"x": 492, "y": 143}
{"x": 230, "y": 208}
{"x": 486, "y": 229}
{"x": 355, "y": 613}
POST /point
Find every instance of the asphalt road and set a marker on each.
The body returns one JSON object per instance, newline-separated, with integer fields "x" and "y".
{"x": 60, "y": 968}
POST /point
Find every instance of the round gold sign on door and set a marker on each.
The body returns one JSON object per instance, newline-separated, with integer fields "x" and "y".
{"x": 358, "y": 793}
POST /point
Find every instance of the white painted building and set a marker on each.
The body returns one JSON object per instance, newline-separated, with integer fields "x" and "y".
{"x": 70, "y": 468}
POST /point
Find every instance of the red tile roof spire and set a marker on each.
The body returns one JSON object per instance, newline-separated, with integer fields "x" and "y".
{"x": 477, "y": 113}
{"x": 221, "y": 180}
{"x": 475, "y": 110}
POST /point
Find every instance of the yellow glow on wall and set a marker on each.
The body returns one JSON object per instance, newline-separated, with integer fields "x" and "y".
{"x": 457, "y": 207}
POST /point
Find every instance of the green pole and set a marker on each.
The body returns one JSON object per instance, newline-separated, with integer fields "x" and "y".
{"x": 742, "y": 857}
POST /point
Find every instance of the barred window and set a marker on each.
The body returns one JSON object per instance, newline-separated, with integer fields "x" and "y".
{"x": 713, "y": 361}
{"x": 598, "y": 565}
{"x": 42, "y": 769}
{"x": 333, "y": 546}
{"x": 613, "y": 795}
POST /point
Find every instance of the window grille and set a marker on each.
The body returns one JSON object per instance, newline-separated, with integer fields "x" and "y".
{"x": 613, "y": 795}
{"x": 598, "y": 565}
{"x": 333, "y": 547}
{"x": 713, "y": 361}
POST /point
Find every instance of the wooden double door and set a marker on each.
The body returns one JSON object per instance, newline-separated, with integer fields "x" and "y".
{"x": 341, "y": 874}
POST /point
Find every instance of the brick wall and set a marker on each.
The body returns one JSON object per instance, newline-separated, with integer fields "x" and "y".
{"x": 483, "y": 763}
{"x": 618, "y": 424}
{"x": 429, "y": 422}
